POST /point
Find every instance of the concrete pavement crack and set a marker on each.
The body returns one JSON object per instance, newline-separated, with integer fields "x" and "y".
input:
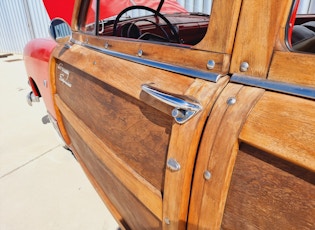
{"x": 28, "y": 162}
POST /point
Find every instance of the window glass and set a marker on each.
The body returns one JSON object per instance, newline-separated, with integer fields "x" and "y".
{"x": 173, "y": 21}
{"x": 301, "y": 27}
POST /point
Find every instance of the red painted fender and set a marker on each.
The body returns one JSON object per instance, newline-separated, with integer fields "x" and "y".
{"x": 36, "y": 59}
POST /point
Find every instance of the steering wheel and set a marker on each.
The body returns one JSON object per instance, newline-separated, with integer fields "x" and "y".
{"x": 168, "y": 23}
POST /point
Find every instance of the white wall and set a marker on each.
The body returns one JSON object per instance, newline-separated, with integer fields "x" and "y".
{"x": 20, "y": 22}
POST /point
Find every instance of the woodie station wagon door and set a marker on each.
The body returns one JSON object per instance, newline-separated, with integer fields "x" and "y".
{"x": 134, "y": 109}
{"x": 146, "y": 104}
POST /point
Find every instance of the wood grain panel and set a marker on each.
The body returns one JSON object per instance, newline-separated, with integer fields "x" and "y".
{"x": 285, "y": 127}
{"x": 257, "y": 33}
{"x": 130, "y": 76}
{"x": 133, "y": 213}
{"x": 137, "y": 133}
{"x": 140, "y": 188}
{"x": 294, "y": 68}
{"x": 269, "y": 193}
{"x": 217, "y": 154}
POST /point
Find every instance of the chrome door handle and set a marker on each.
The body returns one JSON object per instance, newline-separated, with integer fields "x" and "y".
{"x": 184, "y": 109}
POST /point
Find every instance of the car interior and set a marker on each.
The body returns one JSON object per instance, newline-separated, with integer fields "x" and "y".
{"x": 182, "y": 28}
{"x": 301, "y": 28}
{"x": 155, "y": 21}
{"x": 303, "y": 34}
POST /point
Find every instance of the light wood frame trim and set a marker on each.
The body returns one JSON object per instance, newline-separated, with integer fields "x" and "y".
{"x": 75, "y": 15}
{"x": 63, "y": 132}
{"x": 217, "y": 154}
{"x": 185, "y": 56}
{"x": 222, "y": 27}
{"x": 258, "y": 30}
{"x": 183, "y": 147}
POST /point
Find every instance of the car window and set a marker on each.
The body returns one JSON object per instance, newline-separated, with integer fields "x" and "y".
{"x": 172, "y": 21}
{"x": 301, "y": 26}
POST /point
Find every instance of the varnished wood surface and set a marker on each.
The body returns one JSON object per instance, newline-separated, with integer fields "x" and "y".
{"x": 184, "y": 56}
{"x": 106, "y": 98}
{"x": 52, "y": 79}
{"x": 285, "y": 127}
{"x": 184, "y": 138}
{"x": 269, "y": 193}
{"x": 222, "y": 26}
{"x": 75, "y": 14}
{"x": 293, "y": 68}
{"x": 256, "y": 36}
{"x": 130, "y": 76}
{"x": 217, "y": 153}
{"x": 137, "y": 133}
{"x": 134, "y": 215}
{"x": 183, "y": 147}
{"x": 138, "y": 186}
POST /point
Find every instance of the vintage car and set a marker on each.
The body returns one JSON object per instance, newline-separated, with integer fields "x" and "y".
{"x": 187, "y": 114}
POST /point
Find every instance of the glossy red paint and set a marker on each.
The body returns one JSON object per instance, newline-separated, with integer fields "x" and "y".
{"x": 292, "y": 21}
{"x": 36, "y": 59}
{"x": 60, "y": 9}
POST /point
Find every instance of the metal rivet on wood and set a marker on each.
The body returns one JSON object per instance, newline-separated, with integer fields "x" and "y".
{"x": 207, "y": 175}
{"x": 173, "y": 165}
{"x": 211, "y": 64}
{"x": 231, "y": 101}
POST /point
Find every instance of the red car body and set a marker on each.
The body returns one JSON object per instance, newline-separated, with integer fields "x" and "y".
{"x": 36, "y": 58}
{"x": 60, "y": 9}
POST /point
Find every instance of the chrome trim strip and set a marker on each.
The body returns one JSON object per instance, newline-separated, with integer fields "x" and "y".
{"x": 214, "y": 77}
{"x": 276, "y": 86}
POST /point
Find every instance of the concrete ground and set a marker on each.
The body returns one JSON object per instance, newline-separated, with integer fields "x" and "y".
{"x": 41, "y": 185}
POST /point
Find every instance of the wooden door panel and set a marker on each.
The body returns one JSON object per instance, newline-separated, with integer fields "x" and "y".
{"x": 285, "y": 127}
{"x": 127, "y": 175}
{"x": 119, "y": 132}
{"x": 115, "y": 189}
{"x": 267, "y": 192}
{"x": 255, "y": 167}
{"x": 131, "y": 122}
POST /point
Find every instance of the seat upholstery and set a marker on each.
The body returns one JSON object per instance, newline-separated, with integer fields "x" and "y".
{"x": 303, "y": 37}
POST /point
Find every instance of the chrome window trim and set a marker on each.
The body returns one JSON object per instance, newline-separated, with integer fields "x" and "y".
{"x": 282, "y": 87}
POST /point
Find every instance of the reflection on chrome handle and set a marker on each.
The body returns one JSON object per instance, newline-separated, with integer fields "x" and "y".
{"x": 183, "y": 110}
